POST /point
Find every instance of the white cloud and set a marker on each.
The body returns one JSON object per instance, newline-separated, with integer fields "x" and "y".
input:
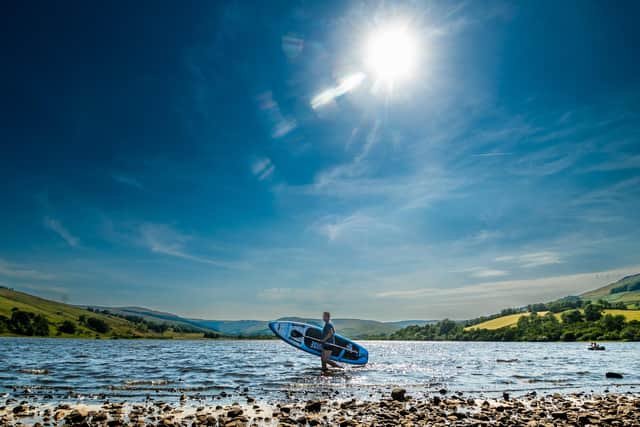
{"x": 16, "y": 271}
{"x": 488, "y": 272}
{"x": 263, "y": 168}
{"x": 337, "y": 228}
{"x": 520, "y": 292}
{"x": 296, "y": 295}
{"x": 534, "y": 259}
{"x": 127, "y": 180}
{"x": 611, "y": 194}
{"x": 165, "y": 240}
{"x": 57, "y": 227}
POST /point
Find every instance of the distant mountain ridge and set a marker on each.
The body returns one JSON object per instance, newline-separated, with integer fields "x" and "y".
{"x": 354, "y": 328}
{"x": 125, "y": 322}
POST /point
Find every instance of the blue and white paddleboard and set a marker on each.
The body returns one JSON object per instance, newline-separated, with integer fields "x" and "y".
{"x": 307, "y": 338}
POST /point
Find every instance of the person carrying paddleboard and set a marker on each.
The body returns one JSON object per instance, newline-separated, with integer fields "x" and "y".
{"x": 328, "y": 339}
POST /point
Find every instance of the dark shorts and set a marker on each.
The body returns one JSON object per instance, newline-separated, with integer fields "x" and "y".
{"x": 327, "y": 346}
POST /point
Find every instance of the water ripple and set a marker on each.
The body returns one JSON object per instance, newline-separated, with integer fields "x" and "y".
{"x": 137, "y": 369}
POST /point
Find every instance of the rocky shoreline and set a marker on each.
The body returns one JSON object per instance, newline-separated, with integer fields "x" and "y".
{"x": 578, "y": 409}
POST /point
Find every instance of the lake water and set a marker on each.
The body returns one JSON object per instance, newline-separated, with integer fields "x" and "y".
{"x": 57, "y": 369}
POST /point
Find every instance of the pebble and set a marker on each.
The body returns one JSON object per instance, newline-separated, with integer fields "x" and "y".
{"x": 397, "y": 408}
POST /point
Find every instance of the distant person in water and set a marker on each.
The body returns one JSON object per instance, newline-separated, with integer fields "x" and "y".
{"x": 328, "y": 341}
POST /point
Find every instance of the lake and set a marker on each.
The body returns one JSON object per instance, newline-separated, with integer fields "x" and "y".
{"x": 57, "y": 369}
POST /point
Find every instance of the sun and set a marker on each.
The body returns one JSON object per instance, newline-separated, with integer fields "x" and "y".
{"x": 391, "y": 54}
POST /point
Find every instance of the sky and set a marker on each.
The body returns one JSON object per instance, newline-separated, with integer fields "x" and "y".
{"x": 249, "y": 160}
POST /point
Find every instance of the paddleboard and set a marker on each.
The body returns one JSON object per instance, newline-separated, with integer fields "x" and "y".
{"x": 307, "y": 338}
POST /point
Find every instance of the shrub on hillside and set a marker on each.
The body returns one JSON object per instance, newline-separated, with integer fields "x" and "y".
{"x": 572, "y": 316}
{"x": 40, "y": 325}
{"x": 592, "y": 312}
{"x": 97, "y": 325}
{"x": 4, "y": 324}
{"x": 20, "y": 322}
{"x": 27, "y": 323}
{"x": 67, "y": 327}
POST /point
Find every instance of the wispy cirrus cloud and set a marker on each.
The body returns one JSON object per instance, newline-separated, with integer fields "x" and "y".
{"x": 524, "y": 290}
{"x": 610, "y": 194}
{"x": 57, "y": 227}
{"x": 336, "y": 228}
{"x": 483, "y": 272}
{"x": 531, "y": 260}
{"x": 17, "y": 271}
{"x": 127, "y": 180}
{"x": 166, "y": 240}
{"x": 263, "y": 168}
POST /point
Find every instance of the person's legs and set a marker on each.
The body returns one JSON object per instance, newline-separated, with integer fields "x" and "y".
{"x": 334, "y": 364}
{"x": 325, "y": 358}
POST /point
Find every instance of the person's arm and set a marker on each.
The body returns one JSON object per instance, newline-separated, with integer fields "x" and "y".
{"x": 329, "y": 335}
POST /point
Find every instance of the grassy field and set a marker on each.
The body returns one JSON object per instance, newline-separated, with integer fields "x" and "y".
{"x": 628, "y": 314}
{"x": 512, "y": 319}
{"x": 501, "y": 322}
{"x": 57, "y": 312}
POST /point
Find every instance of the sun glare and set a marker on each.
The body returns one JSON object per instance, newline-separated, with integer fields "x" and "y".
{"x": 391, "y": 54}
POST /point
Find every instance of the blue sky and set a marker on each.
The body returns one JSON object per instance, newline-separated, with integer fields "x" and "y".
{"x": 176, "y": 156}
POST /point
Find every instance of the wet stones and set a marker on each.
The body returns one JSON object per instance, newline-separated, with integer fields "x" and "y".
{"x": 19, "y": 409}
{"x": 234, "y": 412}
{"x": 395, "y": 409}
{"x": 313, "y": 406}
{"x": 398, "y": 394}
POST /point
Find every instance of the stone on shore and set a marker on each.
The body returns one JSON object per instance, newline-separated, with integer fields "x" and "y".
{"x": 313, "y": 406}
{"x": 234, "y": 412}
{"x": 398, "y": 394}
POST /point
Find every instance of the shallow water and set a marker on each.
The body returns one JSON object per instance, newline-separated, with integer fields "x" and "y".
{"x": 57, "y": 369}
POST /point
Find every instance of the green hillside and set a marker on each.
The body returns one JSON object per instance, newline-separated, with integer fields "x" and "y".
{"x": 626, "y": 290}
{"x": 78, "y": 322}
{"x": 512, "y": 319}
{"x": 352, "y": 328}
{"x": 54, "y": 319}
{"x": 154, "y": 316}
{"x": 617, "y": 298}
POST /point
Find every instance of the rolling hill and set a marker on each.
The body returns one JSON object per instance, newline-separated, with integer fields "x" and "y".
{"x": 354, "y": 328}
{"x": 56, "y": 313}
{"x": 512, "y": 319}
{"x": 140, "y": 322}
{"x": 152, "y": 316}
{"x": 625, "y": 290}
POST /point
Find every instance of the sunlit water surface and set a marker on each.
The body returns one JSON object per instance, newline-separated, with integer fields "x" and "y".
{"x": 56, "y": 369}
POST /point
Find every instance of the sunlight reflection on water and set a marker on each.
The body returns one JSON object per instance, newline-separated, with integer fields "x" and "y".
{"x": 270, "y": 369}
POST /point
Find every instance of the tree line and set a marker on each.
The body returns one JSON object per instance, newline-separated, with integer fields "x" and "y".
{"x": 148, "y": 325}
{"x": 30, "y": 324}
{"x": 26, "y": 323}
{"x": 557, "y": 306}
{"x": 587, "y": 324}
